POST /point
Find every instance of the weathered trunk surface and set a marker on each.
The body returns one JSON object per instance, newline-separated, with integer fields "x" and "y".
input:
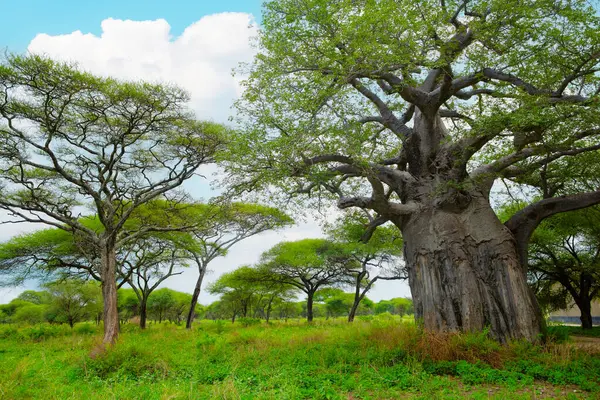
{"x": 309, "y": 306}
{"x": 143, "y": 312}
{"x": 465, "y": 274}
{"x": 109, "y": 294}
{"x": 195, "y": 295}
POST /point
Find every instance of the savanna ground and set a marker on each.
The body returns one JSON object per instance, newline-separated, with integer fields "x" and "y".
{"x": 373, "y": 358}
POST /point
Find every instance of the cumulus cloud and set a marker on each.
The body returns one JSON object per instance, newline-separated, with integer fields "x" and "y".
{"x": 200, "y": 60}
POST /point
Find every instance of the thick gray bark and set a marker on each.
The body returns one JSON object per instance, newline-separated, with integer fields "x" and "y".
{"x": 465, "y": 273}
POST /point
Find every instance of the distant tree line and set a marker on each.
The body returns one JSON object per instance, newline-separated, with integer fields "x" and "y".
{"x": 73, "y": 301}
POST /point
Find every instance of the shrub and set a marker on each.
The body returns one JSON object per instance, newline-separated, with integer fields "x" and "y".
{"x": 8, "y": 332}
{"x": 244, "y": 321}
{"x": 43, "y": 331}
{"x": 558, "y": 333}
{"x": 128, "y": 361}
{"x": 85, "y": 329}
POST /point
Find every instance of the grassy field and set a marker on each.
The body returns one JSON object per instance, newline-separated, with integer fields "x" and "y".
{"x": 379, "y": 358}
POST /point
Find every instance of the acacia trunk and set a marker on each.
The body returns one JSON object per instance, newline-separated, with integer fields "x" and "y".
{"x": 586, "y": 316}
{"x": 465, "y": 274}
{"x": 195, "y": 295}
{"x": 143, "y": 312}
{"x": 585, "y": 301}
{"x": 309, "y": 306}
{"x": 109, "y": 294}
{"x": 357, "y": 299}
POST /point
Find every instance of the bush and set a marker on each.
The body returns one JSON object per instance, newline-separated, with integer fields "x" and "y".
{"x": 244, "y": 321}
{"x": 8, "y": 332}
{"x": 30, "y": 314}
{"x": 43, "y": 331}
{"x": 558, "y": 334}
{"x": 85, "y": 329}
{"x": 128, "y": 361}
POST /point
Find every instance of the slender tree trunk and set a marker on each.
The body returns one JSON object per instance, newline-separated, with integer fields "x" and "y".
{"x": 143, "y": 311}
{"x": 465, "y": 274}
{"x": 268, "y": 313}
{"x": 195, "y": 295}
{"x": 357, "y": 298}
{"x": 309, "y": 306}
{"x": 109, "y": 293}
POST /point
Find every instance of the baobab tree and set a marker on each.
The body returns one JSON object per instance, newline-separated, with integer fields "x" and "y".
{"x": 71, "y": 142}
{"x": 411, "y": 110}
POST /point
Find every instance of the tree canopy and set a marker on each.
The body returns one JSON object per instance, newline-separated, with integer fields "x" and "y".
{"x": 71, "y": 142}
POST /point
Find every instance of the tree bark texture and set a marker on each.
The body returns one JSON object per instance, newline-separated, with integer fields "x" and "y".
{"x": 109, "y": 294}
{"x": 195, "y": 296}
{"x": 357, "y": 298}
{"x": 309, "y": 306}
{"x": 465, "y": 273}
{"x": 143, "y": 312}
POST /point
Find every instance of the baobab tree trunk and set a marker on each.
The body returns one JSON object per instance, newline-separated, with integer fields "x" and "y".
{"x": 309, "y": 306}
{"x": 109, "y": 294}
{"x": 195, "y": 295}
{"x": 465, "y": 274}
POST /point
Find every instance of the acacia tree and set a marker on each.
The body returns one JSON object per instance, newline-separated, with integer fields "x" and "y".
{"x": 411, "y": 111}
{"x": 70, "y": 141}
{"x": 152, "y": 261}
{"x": 222, "y": 228}
{"x": 565, "y": 250}
{"x": 143, "y": 264}
{"x": 306, "y": 265}
{"x": 237, "y": 288}
{"x": 72, "y": 300}
{"x": 378, "y": 259}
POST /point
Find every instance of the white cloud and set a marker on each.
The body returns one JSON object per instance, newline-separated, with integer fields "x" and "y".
{"x": 200, "y": 60}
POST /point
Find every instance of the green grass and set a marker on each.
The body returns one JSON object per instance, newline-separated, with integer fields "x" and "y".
{"x": 375, "y": 359}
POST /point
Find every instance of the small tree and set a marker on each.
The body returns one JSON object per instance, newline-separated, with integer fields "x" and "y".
{"x": 35, "y": 297}
{"x": 224, "y": 226}
{"x": 152, "y": 260}
{"x": 73, "y": 301}
{"x": 160, "y": 304}
{"x": 30, "y": 313}
{"x": 307, "y": 265}
{"x": 379, "y": 258}
{"x": 237, "y": 289}
{"x": 71, "y": 141}
{"x": 565, "y": 251}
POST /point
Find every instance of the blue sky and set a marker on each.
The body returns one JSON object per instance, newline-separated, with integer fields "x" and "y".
{"x": 21, "y": 20}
